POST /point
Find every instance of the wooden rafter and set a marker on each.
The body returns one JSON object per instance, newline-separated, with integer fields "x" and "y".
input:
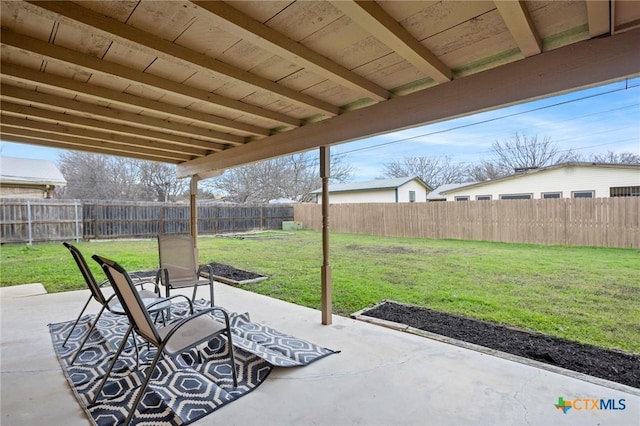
{"x": 181, "y": 143}
{"x": 64, "y": 129}
{"x": 44, "y": 138}
{"x": 277, "y": 43}
{"x": 599, "y": 16}
{"x": 518, "y": 21}
{"x": 370, "y": 16}
{"x": 74, "y": 87}
{"x": 584, "y": 64}
{"x": 45, "y": 100}
{"x": 93, "y": 64}
{"x": 170, "y": 51}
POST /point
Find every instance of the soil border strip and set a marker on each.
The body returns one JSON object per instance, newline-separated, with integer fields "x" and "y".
{"x": 361, "y": 316}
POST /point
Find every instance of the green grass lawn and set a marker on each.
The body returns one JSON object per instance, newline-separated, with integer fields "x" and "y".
{"x": 591, "y": 295}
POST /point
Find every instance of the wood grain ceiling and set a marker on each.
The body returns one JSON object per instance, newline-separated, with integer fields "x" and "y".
{"x": 210, "y": 85}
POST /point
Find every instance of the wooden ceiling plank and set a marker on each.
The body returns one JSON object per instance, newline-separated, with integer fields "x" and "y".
{"x": 599, "y": 17}
{"x": 184, "y": 143}
{"x": 170, "y": 51}
{"x": 93, "y": 64}
{"x": 277, "y": 43}
{"x": 64, "y": 129}
{"x": 517, "y": 19}
{"x": 122, "y": 117}
{"x": 79, "y": 144}
{"x": 371, "y": 17}
{"x": 68, "y": 85}
{"x": 579, "y": 65}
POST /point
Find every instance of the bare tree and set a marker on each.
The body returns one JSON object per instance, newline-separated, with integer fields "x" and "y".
{"x": 611, "y": 157}
{"x": 483, "y": 171}
{"x": 95, "y": 176}
{"x": 523, "y": 152}
{"x": 159, "y": 181}
{"x": 434, "y": 171}
{"x": 292, "y": 177}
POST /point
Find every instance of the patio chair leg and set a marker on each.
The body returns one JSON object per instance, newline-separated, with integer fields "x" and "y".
{"x": 64, "y": 344}
{"x": 211, "y": 293}
{"x": 231, "y": 353}
{"x": 143, "y": 388}
{"x": 93, "y": 326}
{"x": 113, "y": 363}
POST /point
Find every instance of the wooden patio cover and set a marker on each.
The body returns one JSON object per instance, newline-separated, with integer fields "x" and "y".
{"x": 210, "y": 85}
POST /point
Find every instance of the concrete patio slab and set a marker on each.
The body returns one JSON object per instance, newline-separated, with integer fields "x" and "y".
{"x": 382, "y": 376}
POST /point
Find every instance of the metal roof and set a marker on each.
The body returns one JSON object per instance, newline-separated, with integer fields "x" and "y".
{"x": 209, "y": 85}
{"x": 27, "y": 171}
{"x": 372, "y": 185}
{"x": 438, "y": 193}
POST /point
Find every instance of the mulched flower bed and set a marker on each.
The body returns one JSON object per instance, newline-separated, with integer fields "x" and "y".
{"x": 607, "y": 364}
{"x": 221, "y": 272}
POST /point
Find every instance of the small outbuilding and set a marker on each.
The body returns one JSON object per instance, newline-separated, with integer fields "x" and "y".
{"x": 27, "y": 178}
{"x": 396, "y": 190}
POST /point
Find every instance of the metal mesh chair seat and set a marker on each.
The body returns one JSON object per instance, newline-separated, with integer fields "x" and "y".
{"x": 179, "y": 265}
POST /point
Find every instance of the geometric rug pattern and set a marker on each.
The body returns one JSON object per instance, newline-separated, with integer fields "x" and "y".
{"x": 183, "y": 388}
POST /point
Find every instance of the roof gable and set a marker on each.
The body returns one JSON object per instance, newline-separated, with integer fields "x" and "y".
{"x": 373, "y": 185}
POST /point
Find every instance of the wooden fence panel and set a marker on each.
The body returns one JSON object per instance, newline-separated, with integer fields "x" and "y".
{"x": 605, "y": 222}
{"x": 59, "y": 220}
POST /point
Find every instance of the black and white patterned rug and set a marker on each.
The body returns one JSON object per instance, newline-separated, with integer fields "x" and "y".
{"x": 184, "y": 388}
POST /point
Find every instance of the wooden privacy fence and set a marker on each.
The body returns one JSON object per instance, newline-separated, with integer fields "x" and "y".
{"x": 604, "y": 222}
{"x": 31, "y": 221}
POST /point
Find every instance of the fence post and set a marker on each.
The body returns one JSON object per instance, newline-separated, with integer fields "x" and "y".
{"x": 75, "y": 205}
{"x": 30, "y": 242}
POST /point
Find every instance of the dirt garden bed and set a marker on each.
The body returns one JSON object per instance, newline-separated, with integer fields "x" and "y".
{"x": 221, "y": 272}
{"x": 607, "y": 364}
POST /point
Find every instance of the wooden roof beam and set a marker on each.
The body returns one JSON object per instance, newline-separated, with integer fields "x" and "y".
{"x": 170, "y": 51}
{"x": 599, "y": 17}
{"x": 75, "y": 87}
{"x": 44, "y": 100}
{"x": 169, "y": 150}
{"x": 182, "y": 143}
{"x": 520, "y": 25}
{"x": 580, "y": 65}
{"x": 79, "y": 144}
{"x": 371, "y": 17}
{"x": 93, "y": 64}
{"x": 277, "y": 43}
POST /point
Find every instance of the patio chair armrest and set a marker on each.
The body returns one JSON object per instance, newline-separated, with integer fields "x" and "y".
{"x": 171, "y": 298}
{"x": 208, "y": 269}
{"x": 104, "y": 283}
{"x": 156, "y": 287}
{"x": 203, "y": 312}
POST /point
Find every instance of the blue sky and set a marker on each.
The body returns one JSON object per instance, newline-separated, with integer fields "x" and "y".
{"x": 592, "y": 121}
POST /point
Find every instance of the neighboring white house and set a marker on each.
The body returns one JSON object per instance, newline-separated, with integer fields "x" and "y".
{"x": 438, "y": 193}
{"x": 27, "y": 178}
{"x": 567, "y": 180}
{"x": 397, "y": 190}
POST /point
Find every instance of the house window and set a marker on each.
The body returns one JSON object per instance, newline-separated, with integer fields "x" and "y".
{"x": 462, "y": 198}
{"x": 582, "y": 194}
{"x": 412, "y": 196}
{"x": 552, "y": 195}
{"x": 515, "y": 197}
{"x": 624, "y": 191}
{"x": 483, "y": 197}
